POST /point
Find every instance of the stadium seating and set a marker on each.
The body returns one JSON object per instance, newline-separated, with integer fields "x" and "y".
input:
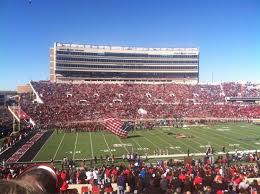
{"x": 82, "y": 105}
{"x": 6, "y": 122}
{"x": 70, "y": 106}
{"x": 170, "y": 176}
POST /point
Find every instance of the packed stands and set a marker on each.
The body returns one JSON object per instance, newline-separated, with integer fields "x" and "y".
{"x": 6, "y": 122}
{"x": 8, "y": 137}
{"x": 238, "y": 90}
{"x": 135, "y": 175}
{"x": 81, "y": 106}
{"x": 13, "y": 139}
{"x": 69, "y": 105}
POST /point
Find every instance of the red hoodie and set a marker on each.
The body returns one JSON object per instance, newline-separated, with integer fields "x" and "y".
{"x": 198, "y": 180}
{"x": 64, "y": 186}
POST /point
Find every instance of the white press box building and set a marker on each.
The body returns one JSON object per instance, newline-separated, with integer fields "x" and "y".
{"x": 78, "y": 62}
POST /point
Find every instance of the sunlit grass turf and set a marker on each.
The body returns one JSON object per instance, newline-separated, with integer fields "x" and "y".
{"x": 86, "y": 145}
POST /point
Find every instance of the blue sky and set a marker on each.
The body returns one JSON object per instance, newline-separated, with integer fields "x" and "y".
{"x": 226, "y": 31}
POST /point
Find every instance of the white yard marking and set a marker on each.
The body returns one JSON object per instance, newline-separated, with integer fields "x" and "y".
{"x": 74, "y": 152}
{"x": 123, "y": 144}
{"x": 91, "y": 145}
{"x": 206, "y": 137}
{"x": 176, "y": 147}
{"x": 251, "y": 132}
{"x": 107, "y": 144}
{"x": 143, "y": 149}
{"x": 205, "y": 146}
{"x": 232, "y": 145}
{"x": 196, "y": 154}
{"x": 231, "y": 139}
{"x": 184, "y": 143}
{"x": 106, "y": 150}
{"x": 119, "y": 145}
{"x": 137, "y": 143}
{"x": 164, "y": 140}
{"x": 59, "y": 146}
{"x": 223, "y": 129}
{"x": 44, "y": 146}
{"x": 156, "y": 146}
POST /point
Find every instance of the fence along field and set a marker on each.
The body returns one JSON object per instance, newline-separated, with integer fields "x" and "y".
{"x": 157, "y": 142}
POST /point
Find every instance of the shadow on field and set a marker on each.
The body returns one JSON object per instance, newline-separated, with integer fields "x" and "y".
{"x": 134, "y": 136}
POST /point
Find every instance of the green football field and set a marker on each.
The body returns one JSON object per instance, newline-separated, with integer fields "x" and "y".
{"x": 86, "y": 145}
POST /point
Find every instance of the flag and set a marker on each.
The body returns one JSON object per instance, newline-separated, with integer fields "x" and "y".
{"x": 142, "y": 111}
{"x": 117, "y": 127}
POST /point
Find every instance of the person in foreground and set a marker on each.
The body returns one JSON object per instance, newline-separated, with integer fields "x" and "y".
{"x": 37, "y": 179}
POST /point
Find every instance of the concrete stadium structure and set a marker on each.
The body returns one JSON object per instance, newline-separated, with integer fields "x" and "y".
{"x": 78, "y": 62}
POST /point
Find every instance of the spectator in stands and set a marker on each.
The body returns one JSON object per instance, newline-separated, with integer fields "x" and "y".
{"x": 121, "y": 184}
{"x": 164, "y": 177}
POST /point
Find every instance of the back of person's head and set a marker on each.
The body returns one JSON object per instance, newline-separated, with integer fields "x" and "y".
{"x": 42, "y": 176}
{"x": 18, "y": 187}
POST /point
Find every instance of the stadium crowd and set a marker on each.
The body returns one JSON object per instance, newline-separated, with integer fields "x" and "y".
{"x": 82, "y": 105}
{"x": 5, "y": 122}
{"x": 12, "y": 139}
{"x": 165, "y": 177}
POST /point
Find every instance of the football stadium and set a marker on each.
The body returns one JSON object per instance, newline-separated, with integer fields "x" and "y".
{"x": 111, "y": 105}
{"x": 129, "y": 97}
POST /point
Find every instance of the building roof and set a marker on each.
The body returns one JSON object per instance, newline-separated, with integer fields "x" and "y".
{"x": 83, "y": 47}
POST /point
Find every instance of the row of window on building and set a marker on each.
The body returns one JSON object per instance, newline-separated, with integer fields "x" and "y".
{"x": 144, "y": 55}
{"x": 100, "y": 66}
{"x": 58, "y": 58}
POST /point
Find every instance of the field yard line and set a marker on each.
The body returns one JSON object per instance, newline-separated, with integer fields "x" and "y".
{"x": 251, "y": 133}
{"x": 179, "y": 150}
{"x": 151, "y": 142}
{"x": 137, "y": 143}
{"x": 194, "y": 141}
{"x": 229, "y": 138}
{"x": 190, "y": 140}
{"x": 187, "y": 145}
{"x": 75, "y": 145}
{"x": 58, "y": 147}
{"x": 122, "y": 144}
{"x": 43, "y": 146}
{"x": 207, "y": 137}
{"x": 181, "y": 143}
{"x": 106, "y": 143}
{"x": 197, "y": 154}
{"x": 247, "y": 132}
{"x": 233, "y": 139}
{"x": 253, "y": 130}
{"x": 162, "y": 139}
{"x": 91, "y": 145}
